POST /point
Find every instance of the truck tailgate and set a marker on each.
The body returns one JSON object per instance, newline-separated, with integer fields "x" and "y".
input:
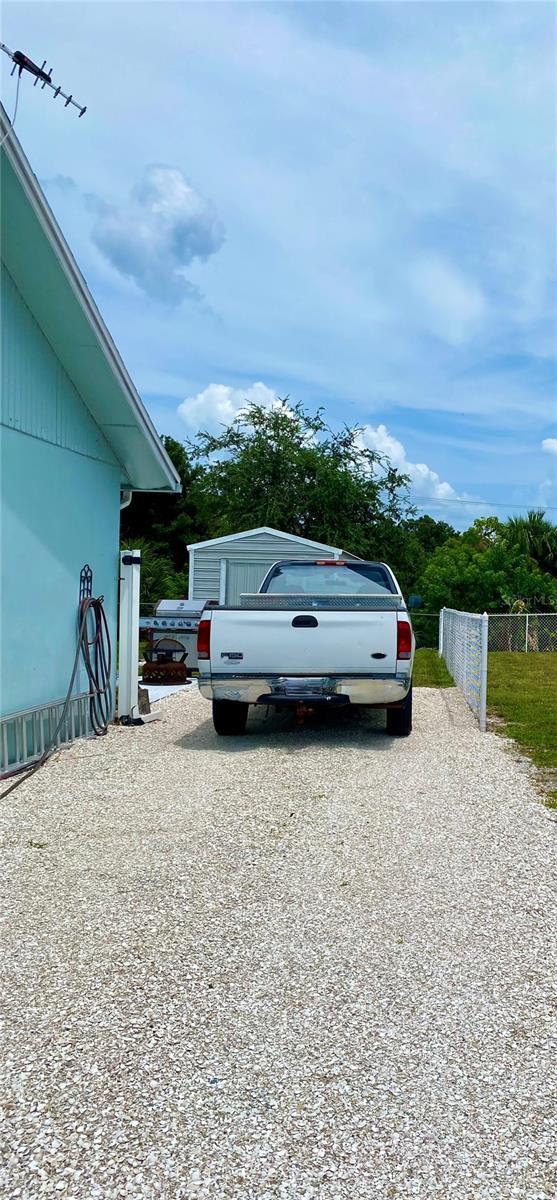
{"x": 282, "y": 642}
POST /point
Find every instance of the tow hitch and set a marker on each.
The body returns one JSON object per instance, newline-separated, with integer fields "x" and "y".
{"x": 302, "y": 711}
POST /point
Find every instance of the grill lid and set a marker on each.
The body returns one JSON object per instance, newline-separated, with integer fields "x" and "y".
{"x": 180, "y": 608}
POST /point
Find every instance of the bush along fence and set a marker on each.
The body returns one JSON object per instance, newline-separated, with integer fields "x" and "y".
{"x": 465, "y": 639}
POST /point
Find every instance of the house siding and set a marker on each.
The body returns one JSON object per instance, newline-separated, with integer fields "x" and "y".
{"x": 38, "y": 397}
{"x": 206, "y": 577}
{"x": 60, "y": 510}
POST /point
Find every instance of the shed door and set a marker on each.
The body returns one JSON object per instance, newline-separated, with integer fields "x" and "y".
{"x": 243, "y": 577}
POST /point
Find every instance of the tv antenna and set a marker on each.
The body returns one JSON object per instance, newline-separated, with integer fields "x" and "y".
{"x": 44, "y": 77}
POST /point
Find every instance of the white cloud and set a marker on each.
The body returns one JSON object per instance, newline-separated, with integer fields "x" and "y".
{"x": 455, "y": 164}
{"x": 162, "y": 229}
{"x": 452, "y": 307}
{"x": 548, "y": 487}
{"x": 218, "y": 404}
{"x": 64, "y": 183}
{"x": 424, "y": 482}
{"x": 547, "y": 494}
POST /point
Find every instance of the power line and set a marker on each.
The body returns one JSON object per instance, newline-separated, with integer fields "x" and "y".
{"x": 483, "y": 503}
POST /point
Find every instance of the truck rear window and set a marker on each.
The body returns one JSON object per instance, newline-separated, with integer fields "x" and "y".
{"x": 315, "y": 579}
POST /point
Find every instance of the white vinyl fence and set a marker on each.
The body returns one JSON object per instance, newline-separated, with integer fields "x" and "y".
{"x": 463, "y": 639}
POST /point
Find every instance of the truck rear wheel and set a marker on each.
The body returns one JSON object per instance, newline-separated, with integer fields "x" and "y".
{"x": 229, "y": 717}
{"x": 399, "y": 720}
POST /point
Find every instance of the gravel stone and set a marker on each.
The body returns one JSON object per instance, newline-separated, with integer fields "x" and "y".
{"x": 314, "y": 963}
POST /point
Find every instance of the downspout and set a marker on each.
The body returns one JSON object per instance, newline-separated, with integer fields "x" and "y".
{"x": 125, "y": 497}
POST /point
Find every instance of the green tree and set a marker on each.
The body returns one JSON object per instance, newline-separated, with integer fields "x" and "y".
{"x": 484, "y": 532}
{"x": 429, "y": 533}
{"x": 159, "y": 578}
{"x": 407, "y": 546}
{"x": 287, "y": 468}
{"x": 283, "y": 467}
{"x": 167, "y": 522}
{"x": 535, "y": 536}
{"x": 476, "y": 575}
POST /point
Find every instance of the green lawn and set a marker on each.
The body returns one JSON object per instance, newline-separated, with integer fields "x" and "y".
{"x": 522, "y": 688}
{"x": 430, "y": 670}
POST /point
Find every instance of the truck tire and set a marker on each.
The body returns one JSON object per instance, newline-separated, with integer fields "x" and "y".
{"x": 399, "y": 720}
{"x": 229, "y": 717}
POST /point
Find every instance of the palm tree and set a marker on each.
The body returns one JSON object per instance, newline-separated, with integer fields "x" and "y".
{"x": 536, "y": 537}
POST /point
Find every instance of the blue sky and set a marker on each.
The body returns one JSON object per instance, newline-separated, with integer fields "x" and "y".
{"x": 353, "y": 204}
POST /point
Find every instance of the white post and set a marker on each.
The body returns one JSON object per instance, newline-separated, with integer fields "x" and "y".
{"x": 222, "y": 581}
{"x": 526, "y": 646}
{"x": 128, "y": 633}
{"x": 483, "y": 675}
{"x": 441, "y": 623}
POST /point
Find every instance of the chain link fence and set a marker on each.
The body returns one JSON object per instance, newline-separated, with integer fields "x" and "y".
{"x": 463, "y": 639}
{"x": 466, "y": 638}
{"x": 525, "y": 633}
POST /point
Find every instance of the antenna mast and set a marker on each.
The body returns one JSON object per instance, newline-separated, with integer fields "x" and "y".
{"x": 23, "y": 63}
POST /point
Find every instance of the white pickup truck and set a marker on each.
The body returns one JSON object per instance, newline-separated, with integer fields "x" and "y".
{"x": 326, "y": 631}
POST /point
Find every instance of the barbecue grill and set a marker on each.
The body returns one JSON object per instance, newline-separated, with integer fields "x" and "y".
{"x": 173, "y": 626}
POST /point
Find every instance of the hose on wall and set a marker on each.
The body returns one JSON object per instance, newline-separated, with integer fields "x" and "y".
{"x": 94, "y": 646}
{"x": 97, "y": 656}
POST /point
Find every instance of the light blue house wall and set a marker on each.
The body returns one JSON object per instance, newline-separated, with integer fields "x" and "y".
{"x": 60, "y": 509}
{"x": 74, "y": 434}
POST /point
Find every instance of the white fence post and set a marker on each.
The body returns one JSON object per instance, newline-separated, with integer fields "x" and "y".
{"x": 526, "y": 646}
{"x": 483, "y": 676}
{"x": 441, "y": 623}
{"x": 128, "y": 633}
{"x": 222, "y": 581}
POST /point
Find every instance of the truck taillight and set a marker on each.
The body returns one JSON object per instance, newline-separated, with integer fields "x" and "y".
{"x": 204, "y": 639}
{"x": 403, "y": 640}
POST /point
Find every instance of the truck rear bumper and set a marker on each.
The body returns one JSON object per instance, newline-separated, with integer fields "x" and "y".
{"x": 287, "y": 689}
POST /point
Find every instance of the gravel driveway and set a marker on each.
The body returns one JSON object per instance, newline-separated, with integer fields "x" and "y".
{"x": 310, "y": 963}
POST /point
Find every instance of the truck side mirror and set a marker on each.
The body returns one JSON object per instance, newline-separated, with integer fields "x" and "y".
{"x": 414, "y": 602}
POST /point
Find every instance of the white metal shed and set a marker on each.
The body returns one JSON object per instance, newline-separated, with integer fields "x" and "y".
{"x": 222, "y": 568}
